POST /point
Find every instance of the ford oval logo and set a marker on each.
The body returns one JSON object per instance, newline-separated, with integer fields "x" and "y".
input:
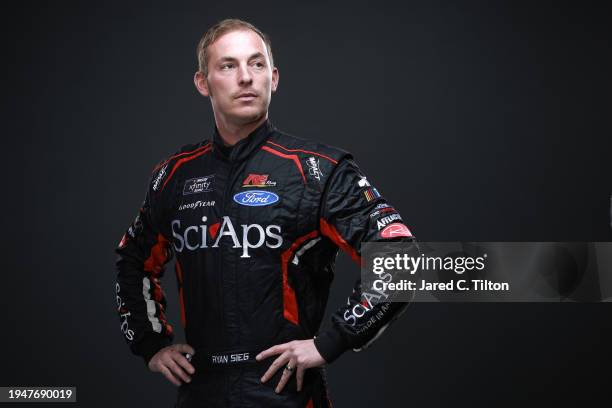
{"x": 256, "y": 198}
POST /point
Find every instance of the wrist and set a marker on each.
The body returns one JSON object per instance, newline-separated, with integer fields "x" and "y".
{"x": 150, "y": 344}
{"x": 330, "y": 344}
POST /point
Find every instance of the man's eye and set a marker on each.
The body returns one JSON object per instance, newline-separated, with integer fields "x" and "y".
{"x": 259, "y": 64}
{"x": 225, "y": 67}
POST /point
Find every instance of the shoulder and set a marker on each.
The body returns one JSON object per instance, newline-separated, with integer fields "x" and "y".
{"x": 301, "y": 146}
{"x": 317, "y": 159}
{"x": 165, "y": 168}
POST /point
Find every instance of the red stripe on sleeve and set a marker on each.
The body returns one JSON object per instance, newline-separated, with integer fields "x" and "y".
{"x": 179, "y": 277}
{"x": 154, "y": 264}
{"x": 290, "y": 308}
{"x": 332, "y": 233}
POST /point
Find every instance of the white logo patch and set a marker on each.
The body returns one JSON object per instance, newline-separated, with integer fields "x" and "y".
{"x": 313, "y": 168}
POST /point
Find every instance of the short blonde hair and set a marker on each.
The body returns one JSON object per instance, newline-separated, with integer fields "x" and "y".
{"x": 221, "y": 28}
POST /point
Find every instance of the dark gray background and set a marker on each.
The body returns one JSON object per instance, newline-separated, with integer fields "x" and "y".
{"x": 477, "y": 121}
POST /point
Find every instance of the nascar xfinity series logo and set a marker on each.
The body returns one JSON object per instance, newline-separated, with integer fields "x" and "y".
{"x": 196, "y": 237}
{"x": 256, "y": 198}
{"x": 199, "y": 185}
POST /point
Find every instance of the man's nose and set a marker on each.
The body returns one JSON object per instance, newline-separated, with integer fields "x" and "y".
{"x": 244, "y": 76}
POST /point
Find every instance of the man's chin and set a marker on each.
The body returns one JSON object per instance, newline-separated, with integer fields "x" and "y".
{"x": 247, "y": 116}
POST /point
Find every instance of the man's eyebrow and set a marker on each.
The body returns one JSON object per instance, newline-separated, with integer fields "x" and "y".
{"x": 225, "y": 59}
{"x": 256, "y": 55}
{"x": 232, "y": 59}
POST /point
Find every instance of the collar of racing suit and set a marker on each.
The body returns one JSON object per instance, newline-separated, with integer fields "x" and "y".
{"x": 241, "y": 150}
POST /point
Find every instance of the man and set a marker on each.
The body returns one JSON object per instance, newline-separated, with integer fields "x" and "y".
{"x": 254, "y": 218}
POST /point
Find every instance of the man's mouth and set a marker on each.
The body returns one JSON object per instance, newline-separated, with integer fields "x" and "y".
{"x": 246, "y": 96}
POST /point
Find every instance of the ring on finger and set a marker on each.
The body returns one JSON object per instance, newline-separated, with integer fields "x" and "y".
{"x": 289, "y": 368}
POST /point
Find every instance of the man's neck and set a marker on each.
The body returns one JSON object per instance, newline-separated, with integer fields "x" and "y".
{"x": 231, "y": 133}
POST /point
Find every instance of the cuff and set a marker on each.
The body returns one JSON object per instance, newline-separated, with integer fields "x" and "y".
{"x": 330, "y": 344}
{"x": 150, "y": 344}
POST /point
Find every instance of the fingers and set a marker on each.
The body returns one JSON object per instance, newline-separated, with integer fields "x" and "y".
{"x": 184, "y": 363}
{"x": 287, "y": 373}
{"x": 182, "y": 360}
{"x": 166, "y": 372}
{"x": 184, "y": 348}
{"x": 300, "y": 354}
{"x": 272, "y": 351}
{"x": 278, "y": 363}
{"x": 178, "y": 371}
{"x": 172, "y": 364}
{"x": 299, "y": 376}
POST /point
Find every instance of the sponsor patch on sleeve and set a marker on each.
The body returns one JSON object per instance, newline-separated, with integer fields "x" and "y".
{"x": 159, "y": 178}
{"x": 395, "y": 230}
{"x": 371, "y": 194}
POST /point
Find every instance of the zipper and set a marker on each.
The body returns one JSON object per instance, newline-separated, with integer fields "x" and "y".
{"x": 226, "y": 212}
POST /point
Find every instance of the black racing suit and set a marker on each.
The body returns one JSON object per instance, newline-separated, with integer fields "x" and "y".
{"x": 255, "y": 230}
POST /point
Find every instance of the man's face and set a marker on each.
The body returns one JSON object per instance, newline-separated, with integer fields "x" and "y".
{"x": 240, "y": 79}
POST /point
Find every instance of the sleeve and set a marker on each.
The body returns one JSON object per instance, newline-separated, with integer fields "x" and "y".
{"x": 353, "y": 212}
{"x": 143, "y": 253}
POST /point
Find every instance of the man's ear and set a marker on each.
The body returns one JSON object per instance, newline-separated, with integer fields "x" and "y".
{"x": 199, "y": 80}
{"x": 275, "y": 78}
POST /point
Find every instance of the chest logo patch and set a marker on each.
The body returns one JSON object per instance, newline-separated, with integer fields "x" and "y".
{"x": 256, "y": 198}
{"x": 313, "y": 168}
{"x": 199, "y": 185}
{"x": 258, "y": 180}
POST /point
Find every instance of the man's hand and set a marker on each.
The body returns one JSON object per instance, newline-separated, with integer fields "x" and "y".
{"x": 172, "y": 364}
{"x": 297, "y": 355}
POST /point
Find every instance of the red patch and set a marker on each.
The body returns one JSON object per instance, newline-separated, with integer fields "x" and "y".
{"x": 255, "y": 179}
{"x": 395, "y": 230}
{"x": 213, "y": 229}
{"x": 123, "y": 241}
{"x": 387, "y": 209}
